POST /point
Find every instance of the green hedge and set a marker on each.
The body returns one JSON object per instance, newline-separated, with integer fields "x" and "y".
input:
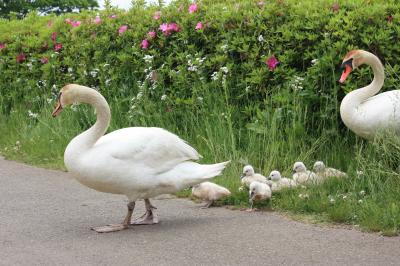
{"x": 308, "y": 39}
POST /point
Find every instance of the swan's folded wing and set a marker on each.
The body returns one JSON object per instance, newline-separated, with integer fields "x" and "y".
{"x": 154, "y": 147}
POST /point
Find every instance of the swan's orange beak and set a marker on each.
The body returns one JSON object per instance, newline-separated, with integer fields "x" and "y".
{"x": 347, "y": 70}
{"x": 57, "y": 110}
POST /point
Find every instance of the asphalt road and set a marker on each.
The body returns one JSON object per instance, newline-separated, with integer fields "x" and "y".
{"x": 45, "y": 218}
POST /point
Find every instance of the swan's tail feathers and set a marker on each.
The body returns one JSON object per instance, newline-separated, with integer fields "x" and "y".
{"x": 191, "y": 173}
{"x": 214, "y": 170}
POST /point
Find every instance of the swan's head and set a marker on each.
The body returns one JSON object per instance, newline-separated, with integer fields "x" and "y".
{"x": 67, "y": 96}
{"x": 319, "y": 166}
{"x": 247, "y": 171}
{"x": 275, "y": 175}
{"x": 351, "y": 61}
{"x": 299, "y": 167}
{"x": 258, "y": 191}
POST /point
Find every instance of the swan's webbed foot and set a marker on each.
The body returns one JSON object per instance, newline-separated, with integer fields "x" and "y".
{"x": 117, "y": 227}
{"x": 110, "y": 228}
{"x": 149, "y": 217}
{"x": 208, "y": 204}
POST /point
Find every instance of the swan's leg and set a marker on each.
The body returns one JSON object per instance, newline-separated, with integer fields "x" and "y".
{"x": 208, "y": 205}
{"x": 117, "y": 227}
{"x": 149, "y": 217}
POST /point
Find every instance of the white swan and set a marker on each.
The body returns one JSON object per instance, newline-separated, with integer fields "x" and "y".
{"x": 259, "y": 191}
{"x": 361, "y": 110}
{"x": 209, "y": 192}
{"x": 279, "y": 182}
{"x": 249, "y": 176}
{"x": 324, "y": 172}
{"x": 139, "y": 162}
{"x": 301, "y": 175}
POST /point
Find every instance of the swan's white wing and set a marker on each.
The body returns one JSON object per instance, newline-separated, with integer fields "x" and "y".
{"x": 157, "y": 148}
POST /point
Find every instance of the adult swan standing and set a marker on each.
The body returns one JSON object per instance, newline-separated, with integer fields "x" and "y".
{"x": 139, "y": 162}
{"x": 361, "y": 110}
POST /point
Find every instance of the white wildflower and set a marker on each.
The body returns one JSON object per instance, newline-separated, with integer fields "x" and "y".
{"x": 360, "y": 201}
{"x": 29, "y": 65}
{"x": 106, "y": 65}
{"x": 332, "y": 200}
{"x": 107, "y": 82}
{"x": 360, "y": 174}
{"x": 314, "y": 61}
{"x": 362, "y": 193}
{"x": 224, "y": 69}
{"x": 33, "y": 115}
{"x": 192, "y": 68}
{"x": 163, "y": 97}
{"x": 224, "y": 47}
{"x": 200, "y": 99}
{"x": 17, "y": 143}
{"x": 214, "y": 76}
{"x": 148, "y": 58}
{"x": 260, "y": 38}
{"x": 70, "y": 70}
{"x": 139, "y": 95}
{"x": 344, "y": 196}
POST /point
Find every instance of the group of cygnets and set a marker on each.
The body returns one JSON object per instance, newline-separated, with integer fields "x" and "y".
{"x": 261, "y": 188}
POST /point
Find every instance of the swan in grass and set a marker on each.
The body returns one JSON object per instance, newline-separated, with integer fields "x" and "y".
{"x": 301, "y": 175}
{"x": 249, "y": 176}
{"x": 361, "y": 110}
{"x": 209, "y": 192}
{"x": 279, "y": 182}
{"x": 324, "y": 172}
{"x": 139, "y": 162}
{"x": 259, "y": 191}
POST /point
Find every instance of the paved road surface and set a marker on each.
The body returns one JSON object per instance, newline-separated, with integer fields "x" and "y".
{"x": 45, "y": 218}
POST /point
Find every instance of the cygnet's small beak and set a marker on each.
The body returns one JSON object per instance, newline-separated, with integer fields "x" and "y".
{"x": 57, "y": 109}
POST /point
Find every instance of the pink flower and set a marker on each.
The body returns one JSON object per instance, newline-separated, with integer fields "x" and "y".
{"x": 152, "y": 34}
{"x": 272, "y": 62}
{"x": 164, "y": 27}
{"x": 20, "y": 58}
{"x": 193, "y": 8}
{"x": 44, "y": 60}
{"x": 122, "y": 29}
{"x": 54, "y": 36}
{"x": 157, "y": 15}
{"x": 75, "y": 24}
{"x": 335, "y": 7}
{"x": 58, "y": 47}
{"x": 113, "y": 16}
{"x": 145, "y": 44}
{"x": 167, "y": 28}
{"x": 199, "y": 26}
{"x": 2, "y": 46}
{"x": 173, "y": 27}
{"x": 97, "y": 20}
{"x": 68, "y": 21}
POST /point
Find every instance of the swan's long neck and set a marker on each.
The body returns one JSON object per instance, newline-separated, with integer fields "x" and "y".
{"x": 86, "y": 95}
{"x": 354, "y": 99}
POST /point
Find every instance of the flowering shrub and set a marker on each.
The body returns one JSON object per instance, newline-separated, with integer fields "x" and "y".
{"x": 255, "y": 49}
